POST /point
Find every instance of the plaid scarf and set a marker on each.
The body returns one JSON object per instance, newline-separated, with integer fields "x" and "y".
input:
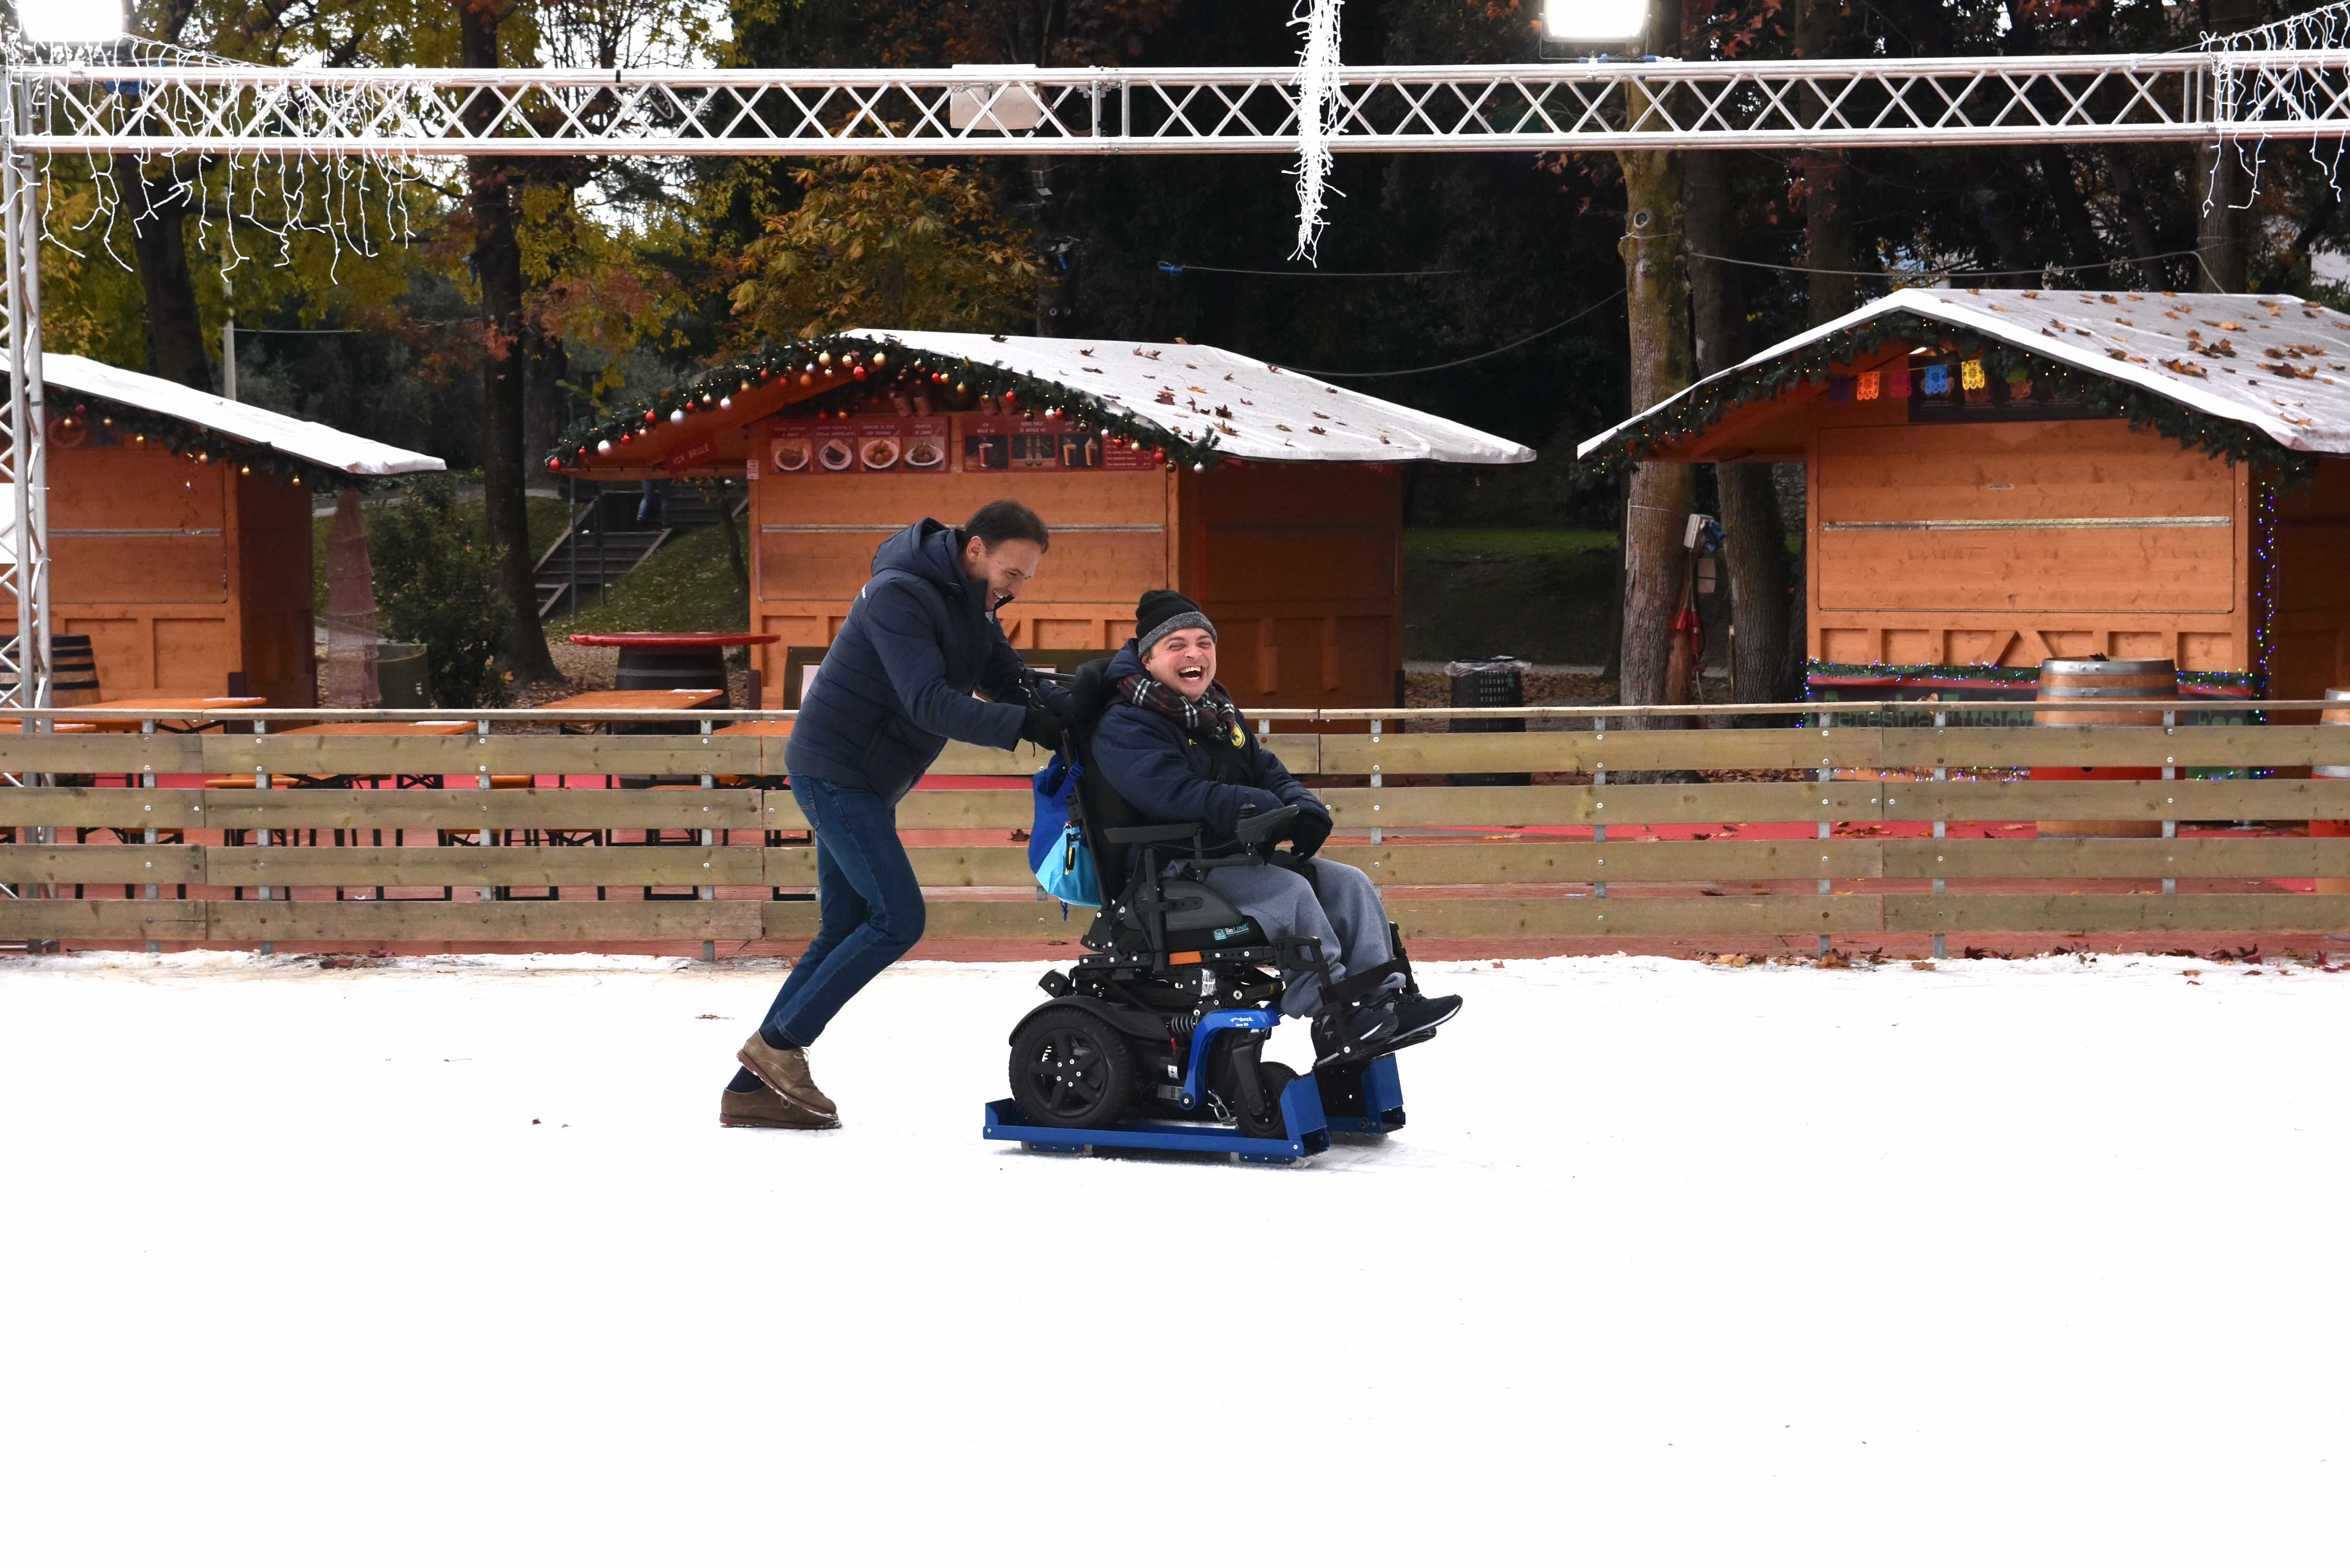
{"x": 1214, "y": 714}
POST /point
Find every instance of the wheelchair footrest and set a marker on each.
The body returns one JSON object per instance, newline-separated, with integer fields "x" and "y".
{"x": 1366, "y": 1098}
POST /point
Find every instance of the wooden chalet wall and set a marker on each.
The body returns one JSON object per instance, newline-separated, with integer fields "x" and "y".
{"x": 2312, "y": 576}
{"x": 816, "y": 534}
{"x": 2011, "y": 542}
{"x": 181, "y": 572}
{"x": 1298, "y": 564}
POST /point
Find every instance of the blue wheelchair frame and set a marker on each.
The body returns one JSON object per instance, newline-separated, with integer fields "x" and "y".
{"x": 1307, "y": 1125}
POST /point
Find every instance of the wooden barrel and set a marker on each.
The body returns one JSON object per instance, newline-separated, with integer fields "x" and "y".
{"x": 2335, "y": 829}
{"x": 73, "y": 671}
{"x": 2152, "y": 683}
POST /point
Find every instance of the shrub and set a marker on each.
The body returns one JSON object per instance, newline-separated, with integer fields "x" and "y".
{"x": 436, "y": 585}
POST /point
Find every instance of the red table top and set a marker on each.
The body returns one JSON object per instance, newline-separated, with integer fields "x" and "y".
{"x": 673, "y": 639}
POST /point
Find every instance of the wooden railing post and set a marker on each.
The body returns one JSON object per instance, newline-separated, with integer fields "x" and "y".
{"x": 147, "y": 781}
{"x": 1828, "y": 828}
{"x": 261, "y": 834}
{"x": 709, "y": 839}
{"x": 1599, "y": 830}
{"x": 482, "y": 780}
{"x": 2169, "y": 774}
{"x": 1941, "y": 828}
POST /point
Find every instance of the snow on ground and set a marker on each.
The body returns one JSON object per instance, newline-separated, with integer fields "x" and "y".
{"x": 447, "y": 1262}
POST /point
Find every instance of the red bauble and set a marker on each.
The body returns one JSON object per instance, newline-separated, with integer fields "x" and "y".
{"x": 555, "y": 465}
{"x": 859, "y": 372}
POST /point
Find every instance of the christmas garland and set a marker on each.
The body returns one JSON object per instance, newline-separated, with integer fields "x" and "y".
{"x": 841, "y": 371}
{"x": 1812, "y": 365}
{"x": 75, "y": 417}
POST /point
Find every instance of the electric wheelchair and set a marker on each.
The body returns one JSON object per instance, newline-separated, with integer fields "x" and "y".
{"x": 1155, "y": 1038}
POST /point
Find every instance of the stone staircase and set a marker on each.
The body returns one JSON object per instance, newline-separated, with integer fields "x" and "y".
{"x": 607, "y": 540}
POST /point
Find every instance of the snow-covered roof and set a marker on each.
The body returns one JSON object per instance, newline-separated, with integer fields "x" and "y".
{"x": 2274, "y": 363}
{"x": 315, "y": 444}
{"x": 1248, "y": 408}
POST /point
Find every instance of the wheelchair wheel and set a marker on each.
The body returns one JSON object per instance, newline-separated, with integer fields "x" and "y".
{"x": 1275, "y": 1076}
{"x": 1069, "y": 1069}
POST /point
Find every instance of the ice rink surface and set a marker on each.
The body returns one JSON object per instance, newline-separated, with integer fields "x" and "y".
{"x": 447, "y": 1262}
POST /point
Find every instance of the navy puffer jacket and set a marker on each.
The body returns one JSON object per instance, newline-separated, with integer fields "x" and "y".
{"x": 1166, "y": 775}
{"x": 895, "y": 684}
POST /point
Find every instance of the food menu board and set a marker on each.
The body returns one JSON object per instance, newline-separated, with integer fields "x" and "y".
{"x": 991, "y": 442}
{"x": 934, "y": 445}
{"x": 879, "y": 445}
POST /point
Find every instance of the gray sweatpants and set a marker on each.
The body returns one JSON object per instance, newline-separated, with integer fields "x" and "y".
{"x": 1341, "y": 906}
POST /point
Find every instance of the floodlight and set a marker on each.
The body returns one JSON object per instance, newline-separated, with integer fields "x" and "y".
{"x": 70, "y": 21}
{"x": 1595, "y": 20}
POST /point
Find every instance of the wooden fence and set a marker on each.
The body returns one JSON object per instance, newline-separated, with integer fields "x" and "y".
{"x": 1842, "y": 829}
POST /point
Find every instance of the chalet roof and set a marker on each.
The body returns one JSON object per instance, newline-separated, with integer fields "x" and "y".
{"x": 2272, "y": 363}
{"x": 1244, "y": 407}
{"x": 322, "y": 445}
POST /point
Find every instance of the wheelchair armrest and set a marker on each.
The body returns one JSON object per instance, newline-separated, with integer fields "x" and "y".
{"x": 1264, "y": 827}
{"x": 1162, "y": 833}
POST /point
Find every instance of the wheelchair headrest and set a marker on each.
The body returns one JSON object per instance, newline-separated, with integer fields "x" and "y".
{"x": 1090, "y": 692}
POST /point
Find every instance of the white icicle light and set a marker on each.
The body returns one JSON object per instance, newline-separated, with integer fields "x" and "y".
{"x": 1319, "y": 100}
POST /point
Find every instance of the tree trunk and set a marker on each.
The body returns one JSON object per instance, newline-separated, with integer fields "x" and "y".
{"x": 497, "y": 262}
{"x": 1663, "y": 493}
{"x": 1753, "y": 546}
{"x": 2222, "y": 259}
{"x": 2223, "y": 252}
{"x": 175, "y": 334}
{"x": 2138, "y": 217}
{"x": 546, "y": 409}
{"x": 1829, "y": 287}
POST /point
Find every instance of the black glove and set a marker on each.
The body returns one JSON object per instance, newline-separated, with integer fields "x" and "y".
{"x": 1307, "y": 834}
{"x": 1042, "y": 727}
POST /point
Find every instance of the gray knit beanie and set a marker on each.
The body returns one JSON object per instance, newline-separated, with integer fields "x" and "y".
{"x": 1161, "y": 613}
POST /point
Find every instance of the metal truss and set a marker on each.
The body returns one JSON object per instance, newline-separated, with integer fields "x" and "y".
{"x": 24, "y": 468}
{"x": 1784, "y": 104}
{"x": 144, "y": 105}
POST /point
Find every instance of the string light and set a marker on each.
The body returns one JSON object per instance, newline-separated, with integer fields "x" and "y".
{"x": 1819, "y": 363}
{"x": 842, "y": 361}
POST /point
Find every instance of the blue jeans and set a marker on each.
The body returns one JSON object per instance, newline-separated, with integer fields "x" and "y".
{"x": 871, "y": 908}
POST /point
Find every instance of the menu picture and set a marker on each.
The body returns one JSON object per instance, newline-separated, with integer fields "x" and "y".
{"x": 858, "y": 446}
{"x": 998, "y": 441}
{"x": 991, "y": 442}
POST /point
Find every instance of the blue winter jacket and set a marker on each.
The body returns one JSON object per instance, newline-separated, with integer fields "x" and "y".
{"x": 895, "y": 684}
{"x": 1166, "y": 775}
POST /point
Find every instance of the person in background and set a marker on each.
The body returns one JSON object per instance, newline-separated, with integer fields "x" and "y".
{"x": 894, "y": 687}
{"x": 1176, "y": 748}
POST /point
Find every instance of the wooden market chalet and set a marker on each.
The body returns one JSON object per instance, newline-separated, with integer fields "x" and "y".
{"x": 1275, "y": 499}
{"x": 181, "y": 532}
{"x": 1996, "y": 477}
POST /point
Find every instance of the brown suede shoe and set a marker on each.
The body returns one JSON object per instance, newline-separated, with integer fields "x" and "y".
{"x": 763, "y": 1107}
{"x": 786, "y": 1073}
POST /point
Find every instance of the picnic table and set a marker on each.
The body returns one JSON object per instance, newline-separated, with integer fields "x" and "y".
{"x": 100, "y": 715}
{"x": 676, "y": 700}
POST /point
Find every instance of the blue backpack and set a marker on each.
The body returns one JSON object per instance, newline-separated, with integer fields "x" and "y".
{"x": 1056, "y": 848}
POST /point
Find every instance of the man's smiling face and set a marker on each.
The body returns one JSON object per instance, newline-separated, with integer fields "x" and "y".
{"x": 1185, "y": 660}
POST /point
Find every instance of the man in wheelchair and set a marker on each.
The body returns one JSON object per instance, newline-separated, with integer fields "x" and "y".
{"x": 1175, "y": 748}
